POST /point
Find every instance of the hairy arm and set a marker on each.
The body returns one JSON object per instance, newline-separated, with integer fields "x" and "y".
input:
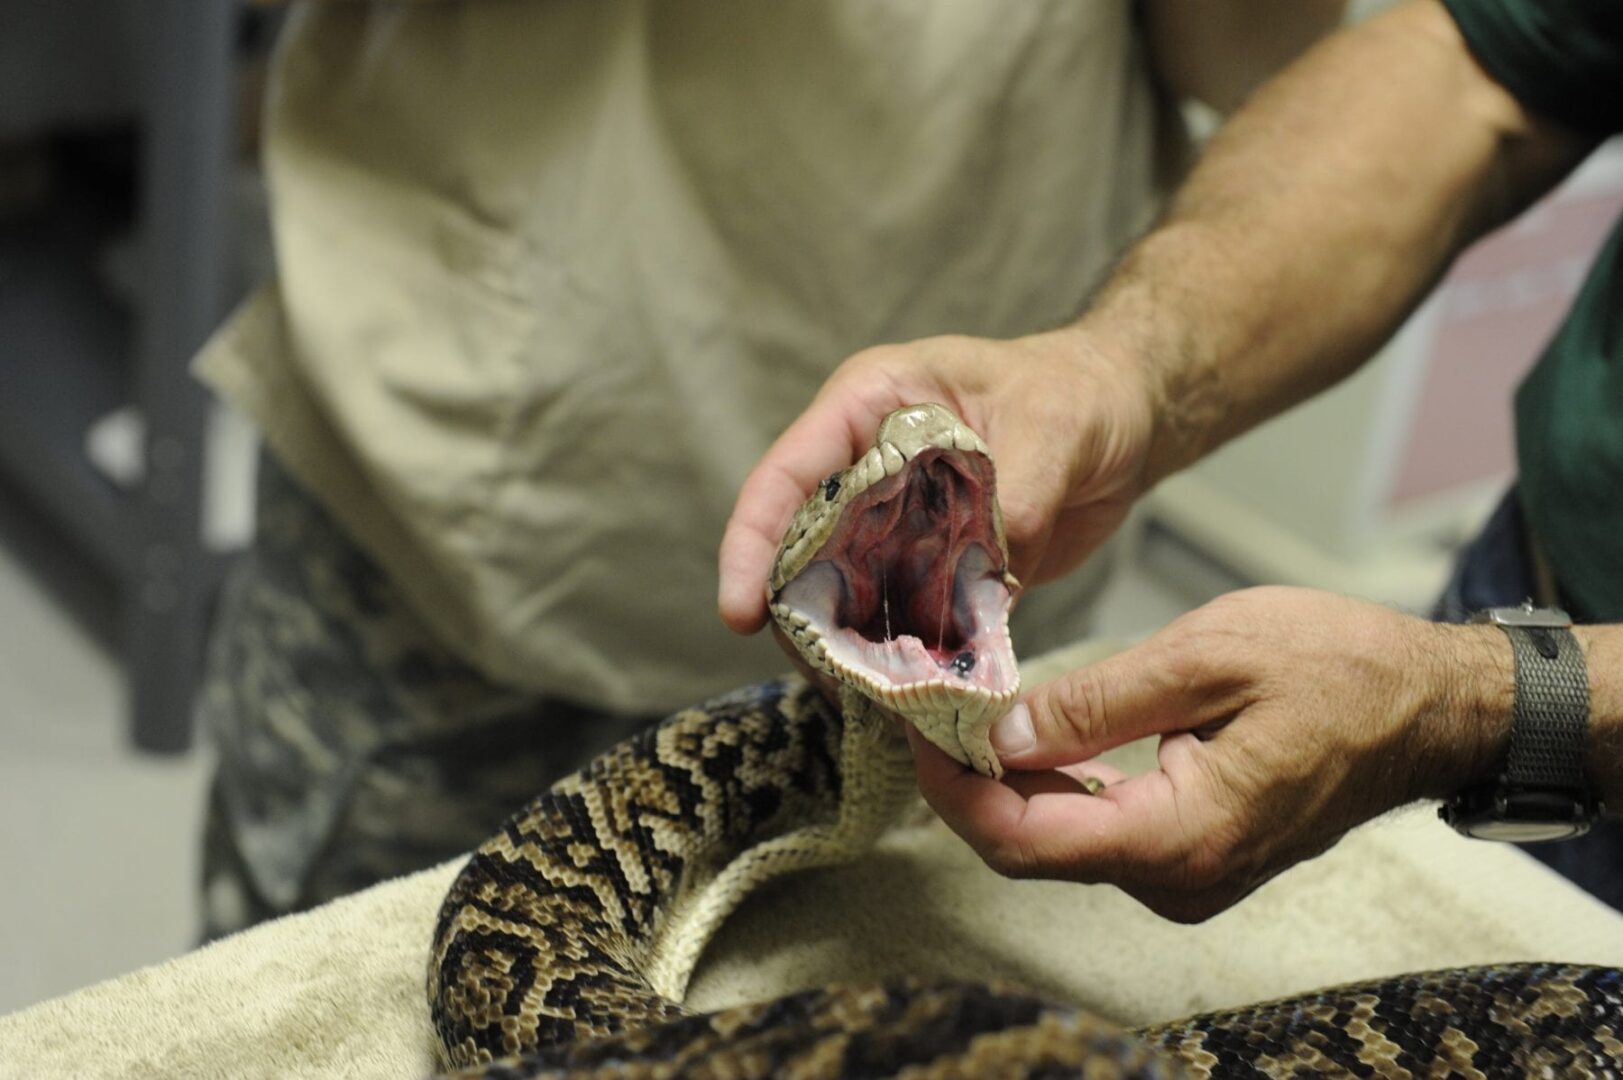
{"x": 1316, "y": 221}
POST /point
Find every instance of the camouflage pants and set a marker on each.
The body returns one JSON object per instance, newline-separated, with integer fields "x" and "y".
{"x": 352, "y": 746}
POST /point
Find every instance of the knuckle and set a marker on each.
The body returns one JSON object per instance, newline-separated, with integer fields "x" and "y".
{"x": 1185, "y": 650}
{"x": 952, "y": 343}
{"x": 1212, "y": 644}
{"x": 1076, "y": 703}
{"x": 876, "y": 360}
{"x": 877, "y": 355}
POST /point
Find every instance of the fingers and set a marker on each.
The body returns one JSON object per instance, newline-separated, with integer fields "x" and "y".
{"x": 1069, "y": 457}
{"x": 1048, "y": 826}
{"x": 1273, "y": 710}
{"x": 1145, "y": 835}
{"x": 1146, "y": 690}
{"x": 765, "y": 504}
{"x": 825, "y": 439}
{"x": 1089, "y": 776}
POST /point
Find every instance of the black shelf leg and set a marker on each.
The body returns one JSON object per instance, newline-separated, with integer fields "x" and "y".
{"x": 186, "y": 150}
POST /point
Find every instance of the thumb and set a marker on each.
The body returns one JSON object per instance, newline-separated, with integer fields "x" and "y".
{"x": 1090, "y": 710}
{"x": 832, "y": 432}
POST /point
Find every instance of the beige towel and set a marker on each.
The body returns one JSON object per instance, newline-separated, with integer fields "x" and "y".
{"x": 339, "y": 992}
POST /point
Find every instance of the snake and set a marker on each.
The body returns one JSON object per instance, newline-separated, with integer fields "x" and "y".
{"x": 564, "y": 945}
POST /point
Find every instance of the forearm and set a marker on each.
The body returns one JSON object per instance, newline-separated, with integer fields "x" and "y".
{"x": 1315, "y": 222}
{"x": 1463, "y": 737}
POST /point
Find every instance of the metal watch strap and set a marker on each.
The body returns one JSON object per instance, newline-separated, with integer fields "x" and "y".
{"x": 1552, "y": 710}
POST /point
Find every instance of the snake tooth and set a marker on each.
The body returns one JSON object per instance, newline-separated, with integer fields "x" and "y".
{"x": 965, "y": 439}
{"x": 873, "y": 467}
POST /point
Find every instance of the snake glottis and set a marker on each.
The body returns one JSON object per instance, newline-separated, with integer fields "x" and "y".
{"x": 565, "y": 944}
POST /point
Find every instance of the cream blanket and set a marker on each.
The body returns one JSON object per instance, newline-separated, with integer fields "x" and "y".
{"x": 339, "y": 992}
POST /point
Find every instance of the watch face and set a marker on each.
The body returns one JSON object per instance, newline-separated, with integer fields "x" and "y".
{"x": 1523, "y": 832}
{"x": 1519, "y": 817}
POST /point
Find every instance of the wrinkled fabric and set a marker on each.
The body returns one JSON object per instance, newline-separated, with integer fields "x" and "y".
{"x": 352, "y": 746}
{"x": 552, "y": 276}
{"x": 550, "y": 279}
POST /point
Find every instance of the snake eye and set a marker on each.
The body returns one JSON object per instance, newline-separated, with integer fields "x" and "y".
{"x": 963, "y": 663}
{"x": 831, "y": 487}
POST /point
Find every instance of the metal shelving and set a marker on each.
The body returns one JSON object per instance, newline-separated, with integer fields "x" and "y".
{"x": 65, "y": 364}
{"x": 72, "y": 354}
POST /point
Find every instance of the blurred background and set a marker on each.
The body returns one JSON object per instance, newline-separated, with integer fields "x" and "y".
{"x": 131, "y": 220}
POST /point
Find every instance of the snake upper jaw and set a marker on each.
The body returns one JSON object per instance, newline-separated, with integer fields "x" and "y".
{"x": 893, "y": 579}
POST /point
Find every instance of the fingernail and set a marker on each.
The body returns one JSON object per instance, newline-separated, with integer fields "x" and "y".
{"x": 1013, "y": 734}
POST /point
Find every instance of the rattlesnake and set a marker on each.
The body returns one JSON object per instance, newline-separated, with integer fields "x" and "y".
{"x": 565, "y": 944}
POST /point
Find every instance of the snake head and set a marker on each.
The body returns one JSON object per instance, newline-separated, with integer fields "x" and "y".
{"x": 893, "y": 579}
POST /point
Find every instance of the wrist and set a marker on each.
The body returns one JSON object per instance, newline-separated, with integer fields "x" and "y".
{"x": 1461, "y": 734}
{"x": 1123, "y": 394}
{"x": 1180, "y": 380}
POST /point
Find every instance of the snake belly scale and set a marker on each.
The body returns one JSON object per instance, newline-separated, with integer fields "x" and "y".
{"x": 564, "y": 946}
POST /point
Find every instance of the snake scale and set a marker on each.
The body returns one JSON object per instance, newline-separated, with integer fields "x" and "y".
{"x": 564, "y": 946}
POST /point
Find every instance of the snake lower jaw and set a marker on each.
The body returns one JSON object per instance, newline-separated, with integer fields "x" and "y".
{"x": 962, "y": 732}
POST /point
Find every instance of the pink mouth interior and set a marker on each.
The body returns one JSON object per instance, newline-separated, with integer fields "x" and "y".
{"x": 910, "y": 584}
{"x": 898, "y": 548}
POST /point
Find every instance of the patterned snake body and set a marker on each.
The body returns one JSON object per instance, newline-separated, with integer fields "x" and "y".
{"x": 565, "y": 944}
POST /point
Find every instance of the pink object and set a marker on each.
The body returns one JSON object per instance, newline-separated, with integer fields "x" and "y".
{"x": 1494, "y": 313}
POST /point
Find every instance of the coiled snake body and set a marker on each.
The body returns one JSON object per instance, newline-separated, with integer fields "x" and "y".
{"x": 565, "y": 944}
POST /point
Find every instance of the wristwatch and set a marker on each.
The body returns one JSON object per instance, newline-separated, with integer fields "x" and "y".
{"x": 1542, "y": 792}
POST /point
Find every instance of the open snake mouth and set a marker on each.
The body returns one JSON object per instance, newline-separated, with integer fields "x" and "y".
{"x": 893, "y": 578}
{"x": 910, "y": 586}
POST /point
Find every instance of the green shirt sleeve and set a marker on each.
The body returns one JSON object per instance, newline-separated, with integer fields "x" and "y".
{"x": 1560, "y": 58}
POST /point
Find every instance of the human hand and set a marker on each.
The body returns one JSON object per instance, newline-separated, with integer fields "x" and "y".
{"x": 1286, "y": 717}
{"x": 1068, "y": 425}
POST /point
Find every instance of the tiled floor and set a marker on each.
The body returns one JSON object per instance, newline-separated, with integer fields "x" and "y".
{"x": 98, "y": 846}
